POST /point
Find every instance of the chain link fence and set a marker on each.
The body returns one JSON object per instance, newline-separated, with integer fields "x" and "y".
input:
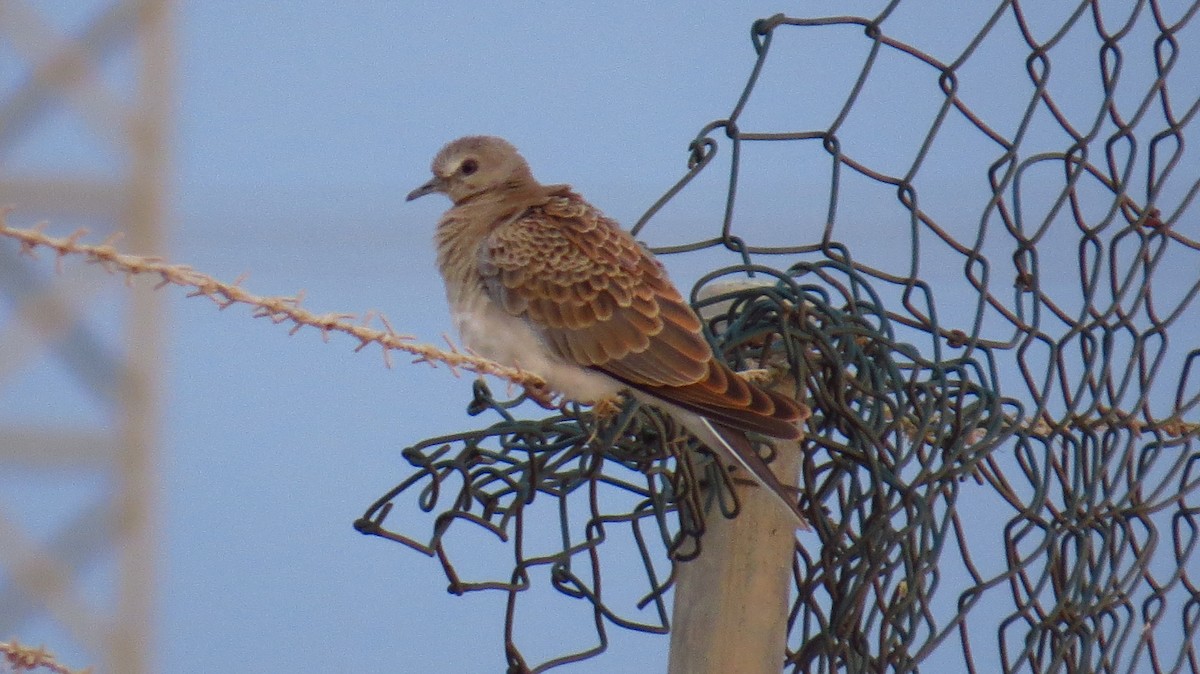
{"x": 996, "y": 329}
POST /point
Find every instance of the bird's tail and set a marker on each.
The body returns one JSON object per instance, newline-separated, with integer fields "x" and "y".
{"x": 733, "y": 446}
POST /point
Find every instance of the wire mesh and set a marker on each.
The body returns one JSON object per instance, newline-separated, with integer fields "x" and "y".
{"x": 1002, "y": 468}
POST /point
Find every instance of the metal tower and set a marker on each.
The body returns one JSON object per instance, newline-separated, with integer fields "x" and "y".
{"x": 109, "y": 74}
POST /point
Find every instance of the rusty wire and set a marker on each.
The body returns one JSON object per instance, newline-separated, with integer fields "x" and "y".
{"x": 1006, "y": 482}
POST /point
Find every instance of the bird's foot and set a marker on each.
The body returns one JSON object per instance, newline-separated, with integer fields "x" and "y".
{"x": 542, "y": 395}
{"x": 760, "y": 375}
{"x": 606, "y": 408}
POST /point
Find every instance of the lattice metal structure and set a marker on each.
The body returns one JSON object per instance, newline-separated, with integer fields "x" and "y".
{"x": 1003, "y": 466}
{"x": 108, "y": 82}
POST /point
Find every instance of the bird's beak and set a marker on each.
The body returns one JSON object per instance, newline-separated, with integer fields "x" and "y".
{"x": 434, "y": 185}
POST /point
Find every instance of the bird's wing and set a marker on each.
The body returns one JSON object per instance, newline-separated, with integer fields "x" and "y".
{"x": 600, "y": 299}
{"x": 594, "y": 293}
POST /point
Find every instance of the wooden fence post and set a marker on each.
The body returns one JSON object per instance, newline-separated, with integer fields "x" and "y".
{"x": 732, "y": 602}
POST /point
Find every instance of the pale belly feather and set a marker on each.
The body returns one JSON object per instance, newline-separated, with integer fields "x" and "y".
{"x": 495, "y": 334}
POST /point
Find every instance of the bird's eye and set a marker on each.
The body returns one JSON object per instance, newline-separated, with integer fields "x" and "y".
{"x": 468, "y": 167}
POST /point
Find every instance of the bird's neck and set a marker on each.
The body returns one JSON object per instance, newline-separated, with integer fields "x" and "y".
{"x": 463, "y": 228}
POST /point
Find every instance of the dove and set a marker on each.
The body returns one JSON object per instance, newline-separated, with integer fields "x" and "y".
{"x": 539, "y": 279}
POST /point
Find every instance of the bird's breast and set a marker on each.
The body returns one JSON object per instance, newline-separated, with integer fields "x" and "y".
{"x": 495, "y": 334}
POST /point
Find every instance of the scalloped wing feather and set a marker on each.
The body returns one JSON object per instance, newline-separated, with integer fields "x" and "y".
{"x": 601, "y": 300}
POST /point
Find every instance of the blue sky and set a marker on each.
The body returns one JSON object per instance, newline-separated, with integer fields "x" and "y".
{"x": 299, "y": 128}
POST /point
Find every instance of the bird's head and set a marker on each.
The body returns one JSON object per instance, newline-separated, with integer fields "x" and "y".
{"x": 473, "y": 165}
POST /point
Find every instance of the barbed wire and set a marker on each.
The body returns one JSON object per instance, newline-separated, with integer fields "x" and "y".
{"x": 19, "y": 657}
{"x": 276, "y": 309}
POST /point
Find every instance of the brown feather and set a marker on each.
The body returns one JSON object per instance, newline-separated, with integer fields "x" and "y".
{"x": 601, "y": 300}
{"x": 779, "y": 422}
